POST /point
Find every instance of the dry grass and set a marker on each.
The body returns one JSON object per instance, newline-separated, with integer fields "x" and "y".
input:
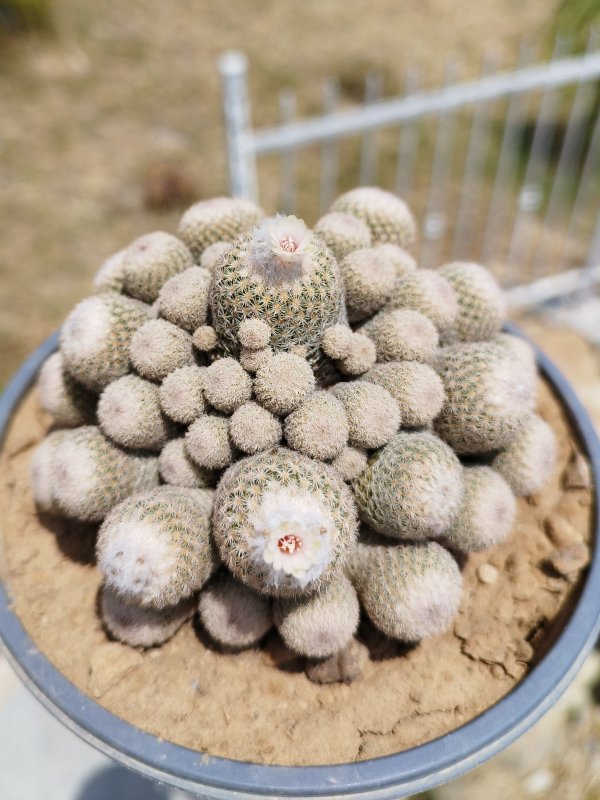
{"x": 121, "y": 87}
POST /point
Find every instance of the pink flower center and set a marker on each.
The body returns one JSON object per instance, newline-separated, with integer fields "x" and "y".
{"x": 289, "y": 244}
{"x": 289, "y": 543}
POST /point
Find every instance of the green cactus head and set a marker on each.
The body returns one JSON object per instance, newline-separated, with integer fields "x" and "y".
{"x": 282, "y": 274}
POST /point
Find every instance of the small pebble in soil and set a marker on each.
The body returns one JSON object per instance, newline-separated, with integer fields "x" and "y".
{"x": 487, "y": 573}
{"x": 539, "y": 782}
{"x": 577, "y": 474}
{"x": 498, "y": 671}
{"x": 521, "y": 576}
{"x": 345, "y": 666}
{"x": 560, "y": 531}
{"x": 524, "y": 651}
{"x": 569, "y": 561}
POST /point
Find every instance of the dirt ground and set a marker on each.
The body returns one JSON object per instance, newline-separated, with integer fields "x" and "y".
{"x": 122, "y": 87}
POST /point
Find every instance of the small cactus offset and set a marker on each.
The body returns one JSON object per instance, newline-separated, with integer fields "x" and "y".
{"x": 321, "y": 624}
{"x": 388, "y": 217}
{"x": 409, "y": 591}
{"x": 68, "y": 402}
{"x": 42, "y": 472}
{"x": 489, "y": 395}
{"x": 183, "y": 299}
{"x": 219, "y": 220}
{"x": 526, "y": 464}
{"x": 232, "y": 399}
{"x": 486, "y": 513}
{"x": 481, "y": 304}
{"x": 402, "y": 335}
{"x": 234, "y": 615}
{"x": 111, "y": 275}
{"x": 155, "y": 548}
{"x": 253, "y": 429}
{"x": 91, "y": 474}
{"x": 142, "y": 626}
{"x": 343, "y": 233}
{"x": 416, "y": 387}
{"x": 373, "y": 414}
{"x": 181, "y": 394}
{"x": 129, "y": 413}
{"x": 319, "y": 427}
{"x": 412, "y": 488}
{"x": 150, "y": 261}
{"x": 95, "y": 339}
{"x": 369, "y": 279}
{"x": 177, "y": 468}
{"x": 429, "y": 293}
{"x": 158, "y": 347}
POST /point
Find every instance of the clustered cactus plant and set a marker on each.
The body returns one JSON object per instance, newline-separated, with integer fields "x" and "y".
{"x": 281, "y": 427}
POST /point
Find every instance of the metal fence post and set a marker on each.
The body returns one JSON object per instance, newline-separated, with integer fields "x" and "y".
{"x": 233, "y": 68}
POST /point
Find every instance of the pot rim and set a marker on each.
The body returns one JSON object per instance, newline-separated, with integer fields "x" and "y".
{"x": 410, "y": 771}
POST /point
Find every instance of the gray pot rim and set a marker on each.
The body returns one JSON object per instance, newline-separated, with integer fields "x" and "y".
{"x": 398, "y": 775}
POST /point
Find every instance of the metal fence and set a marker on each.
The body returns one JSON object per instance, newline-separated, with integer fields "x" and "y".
{"x": 503, "y": 169}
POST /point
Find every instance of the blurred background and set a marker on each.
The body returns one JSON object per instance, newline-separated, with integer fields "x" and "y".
{"x": 111, "y": 124}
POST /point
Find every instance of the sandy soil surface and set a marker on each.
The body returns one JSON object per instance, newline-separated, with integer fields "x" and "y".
{"x": 259, "y": 705}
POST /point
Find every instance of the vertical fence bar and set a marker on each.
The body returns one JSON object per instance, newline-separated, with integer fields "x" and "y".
{"x": 593, "y": 254}
{"x": 407, "y": 144}
{"x": 435, "y": 225}
{"x": 473, "y": 175}
{"x": 530, "y": 199}
{"x": 287, "y": 108}
{"x": 590, "y": 175}
{"x": 368, "y": 157}
{"x": 329, "y": 149}
{"x": 557, "y": 204}
{"x": 505, "y": 171}
{"x": 574, "y": 150}
{"x": 233, "y": 68}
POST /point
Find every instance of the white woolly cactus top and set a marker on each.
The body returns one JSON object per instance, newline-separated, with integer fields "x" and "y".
{"x": 137, "y": 552}
{"x": 293, "y": 535}
{"x": 278, "y": 248}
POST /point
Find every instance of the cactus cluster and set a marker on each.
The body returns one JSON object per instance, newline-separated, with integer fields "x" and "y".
{"x": 277, "y": 426}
